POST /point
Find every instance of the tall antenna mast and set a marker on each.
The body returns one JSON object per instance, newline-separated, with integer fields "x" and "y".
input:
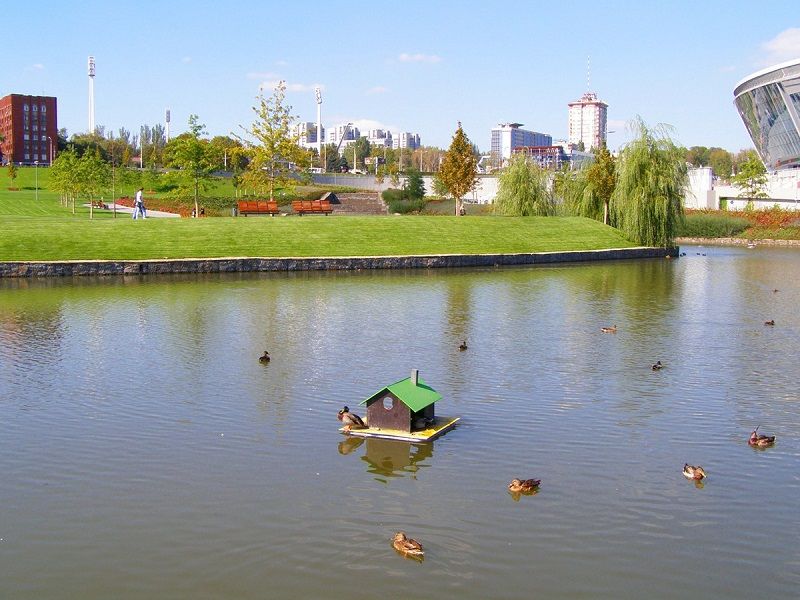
{"x": 91, "y": 95}
{"x": 167, "y": 120}
{"x": 318, "y": 94}
{"x": 588, "y": 73}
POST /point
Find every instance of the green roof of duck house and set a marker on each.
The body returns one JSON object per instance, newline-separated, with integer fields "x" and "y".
{"x": 415, "y": 397}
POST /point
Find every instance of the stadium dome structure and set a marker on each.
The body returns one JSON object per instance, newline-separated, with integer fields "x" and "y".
{"x": 769, "y": 103}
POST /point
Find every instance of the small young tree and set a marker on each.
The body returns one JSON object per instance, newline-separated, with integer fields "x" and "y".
{"x": 414, "y": 185}
{"x": 275, "y": 150}
{"x": 647, "y": 203}
{"x": 601, "y": 178}
{"x": 93, "y": 176}
{"x": 192, "y": 155}
{"x": 523, "y": 190}
{"x": 459, "y": 171}
{"x": 64, "y": 177}
{"x": 751, "y": 178}
{"x": 12, "y": 172}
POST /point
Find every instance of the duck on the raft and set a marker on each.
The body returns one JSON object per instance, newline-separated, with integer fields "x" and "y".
{"x": 760, "y": 441}
{"x": 691, "y": 472}
{"x": 770, "y": 322}
{"x": 350, "y": 420}
{"x": 264, "y": 358}
{"x": 658, "y": 366}
{"x": 523, "y": 485}
{"x": 407, "y": 546}
{"x": 463, "y": 345}
{"x": 612, "y": 329}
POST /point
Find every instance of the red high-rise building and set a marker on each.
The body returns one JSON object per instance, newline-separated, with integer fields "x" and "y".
{"x": 29, "y": 129}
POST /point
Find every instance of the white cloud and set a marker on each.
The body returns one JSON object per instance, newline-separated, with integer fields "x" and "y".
{"x": 38, "y": 67}
{"x": 186, "y": 59}
{"x": 281, "y": 63}
{"x": 784, "y": 46}
{"x": 290, "y": 87}
{"x": 378, "y": 89}
{"x": 426, "y": 58}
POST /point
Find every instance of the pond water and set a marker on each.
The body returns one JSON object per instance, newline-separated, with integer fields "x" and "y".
{"x": 146, "y": 453}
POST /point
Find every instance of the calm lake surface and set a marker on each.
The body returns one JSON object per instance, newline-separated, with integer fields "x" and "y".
{"x": 146, "y": 453}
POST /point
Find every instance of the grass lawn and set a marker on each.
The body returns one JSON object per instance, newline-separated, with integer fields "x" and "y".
{"x": 51, "y": 238}
{"x": 45, "y": 230}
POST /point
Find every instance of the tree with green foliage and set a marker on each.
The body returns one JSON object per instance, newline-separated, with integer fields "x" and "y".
{"x": 194, "y": 157}
{"x": 647, "y": 203}
{"x": 698, "y": 156}
{"x": 601, "y": 177}
{"x": 275, "y": 151}
{"x": 360, "y": 149}
{"x": 721, "y": 162}
{"x": 751, "y": 178}
{"x": 12, "y": 172}
{"x": 414, "y": 186}
{"x": 94, "y": 176}
{"x": 577, "y": 195}
{"x": 459, "y": 171}
{"x": 64, "y": 177}
{"x": 523, "y": 190}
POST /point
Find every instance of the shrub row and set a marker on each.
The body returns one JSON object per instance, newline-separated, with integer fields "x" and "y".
{"x": 712, "y": 225}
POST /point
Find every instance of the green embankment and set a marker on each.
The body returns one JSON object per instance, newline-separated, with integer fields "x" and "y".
{"x": 44, "y": 230}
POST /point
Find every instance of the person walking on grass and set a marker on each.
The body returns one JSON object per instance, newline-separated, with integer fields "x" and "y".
{"x": 138, "y": 205}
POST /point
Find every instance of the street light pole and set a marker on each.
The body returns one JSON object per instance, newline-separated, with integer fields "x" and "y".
{"x": 36, "y": 170}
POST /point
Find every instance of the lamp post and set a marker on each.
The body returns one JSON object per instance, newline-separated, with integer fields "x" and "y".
{"x": 36, "y": 170}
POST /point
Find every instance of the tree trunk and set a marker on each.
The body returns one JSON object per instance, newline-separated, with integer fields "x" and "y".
{"x": 605, "y": 212}
{"x": 196, "y": 207}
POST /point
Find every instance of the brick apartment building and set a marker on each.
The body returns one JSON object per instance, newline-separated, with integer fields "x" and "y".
{"x": 29, "y": 127}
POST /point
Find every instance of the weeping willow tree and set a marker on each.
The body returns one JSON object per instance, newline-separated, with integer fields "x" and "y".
{"x": 647, "y": 202}
{"x": 577, "y": 194}
{"x": 524, "y": 190}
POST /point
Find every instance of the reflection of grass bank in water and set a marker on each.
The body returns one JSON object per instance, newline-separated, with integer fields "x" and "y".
{"x": 774, "y": 224}
{"x": 52, "y": 239}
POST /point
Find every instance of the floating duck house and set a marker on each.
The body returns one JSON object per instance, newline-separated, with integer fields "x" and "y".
{"x": 405, "y": 410}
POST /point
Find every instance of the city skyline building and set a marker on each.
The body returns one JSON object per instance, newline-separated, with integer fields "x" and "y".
{"x": 29, "y": 126}
{"x": 508, "y": 136}
{"x": 587, "y": 122}
{"x": 768, "y": 102}
{"x": 306, "y": 132}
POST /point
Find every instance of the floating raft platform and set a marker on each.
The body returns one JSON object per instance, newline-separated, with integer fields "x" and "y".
{"x": 440, "y": 425}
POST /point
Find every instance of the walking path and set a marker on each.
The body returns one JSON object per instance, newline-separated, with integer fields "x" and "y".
{"x": 159, "y": 214}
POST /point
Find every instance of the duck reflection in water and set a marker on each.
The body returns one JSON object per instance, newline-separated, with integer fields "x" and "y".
{"x": 350, "y": 443}
{"x": 390, "y": 458}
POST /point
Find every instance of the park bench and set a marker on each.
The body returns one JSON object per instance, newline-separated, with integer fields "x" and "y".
{"x": 258, "y": 207}
{"x": 312, "y": 207}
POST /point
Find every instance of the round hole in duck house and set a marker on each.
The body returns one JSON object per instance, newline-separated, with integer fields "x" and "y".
{"x": 388, "y": 402}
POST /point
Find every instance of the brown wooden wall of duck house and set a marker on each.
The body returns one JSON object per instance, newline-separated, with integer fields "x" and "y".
{"x": 387, "y": 411}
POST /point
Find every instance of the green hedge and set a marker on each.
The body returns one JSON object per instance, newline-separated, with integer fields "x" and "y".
{"x": 712, "y": 225}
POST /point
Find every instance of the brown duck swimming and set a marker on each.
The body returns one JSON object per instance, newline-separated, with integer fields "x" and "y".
{"x": 691, "y": 472}
{"x": 407, "y": 546}
{"x": 612, "y": 329}
{"x": 760, "y": 441}
{"x": 523, "y": 485}
{"x": 770, "y": 322}
{"x": 658, "y": 366}
{"x": 264, "y": 358}
{"x": 350, "y": 420}
{"x": 463, "y": 346}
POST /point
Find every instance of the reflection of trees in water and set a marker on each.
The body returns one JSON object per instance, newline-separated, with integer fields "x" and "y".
{"x": 391, "y": 458}
{"x": 31, "y": 331}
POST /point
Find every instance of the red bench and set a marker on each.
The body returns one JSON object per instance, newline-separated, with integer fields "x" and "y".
{"x": 312, "y": 207}
{"x": 258, "y": 207}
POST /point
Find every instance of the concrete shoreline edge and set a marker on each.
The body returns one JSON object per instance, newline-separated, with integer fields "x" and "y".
{"x": 243, "y": 265}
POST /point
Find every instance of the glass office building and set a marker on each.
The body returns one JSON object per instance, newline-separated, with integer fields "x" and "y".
{"x": 769, "y": 104}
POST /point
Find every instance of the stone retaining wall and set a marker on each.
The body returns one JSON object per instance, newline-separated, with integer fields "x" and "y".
{"x": 234, "y": 265}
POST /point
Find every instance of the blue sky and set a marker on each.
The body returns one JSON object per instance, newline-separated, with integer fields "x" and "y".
{"x": 407, "y": 65}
